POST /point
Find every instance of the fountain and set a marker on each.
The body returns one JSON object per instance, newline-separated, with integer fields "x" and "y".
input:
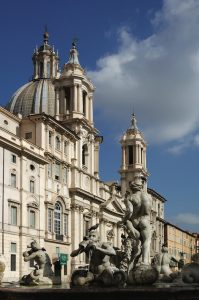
{"x": 124, "y": 273}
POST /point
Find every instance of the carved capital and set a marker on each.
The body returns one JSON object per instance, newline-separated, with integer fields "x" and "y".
{"x": 81, "y": 209}
{"x": 74, "y": 206}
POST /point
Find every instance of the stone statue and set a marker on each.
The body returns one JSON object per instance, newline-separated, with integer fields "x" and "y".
{"x": 136, "y": 222}
{"x": 137, "y": 218}
{"x": 2, "y": 267}
{"x": 190, "y": 272}
{"x": 36, "y": 277}
{"x": 99, "y": 253}
{"x": 162, "y": 262}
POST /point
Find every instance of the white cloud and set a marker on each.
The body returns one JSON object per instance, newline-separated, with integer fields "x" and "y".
{"x": 196, "y": 139}
{"x": 187, "y": 218}
{"x": 158, "y": 76}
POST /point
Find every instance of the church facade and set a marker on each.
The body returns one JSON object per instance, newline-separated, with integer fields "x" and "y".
{"x": 51, "y": 189}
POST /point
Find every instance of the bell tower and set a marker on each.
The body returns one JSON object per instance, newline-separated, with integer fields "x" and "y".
{"x": 133, "y": 165}
{"x": 45, "y": 61}
{"x": 74, "y": 92}
{"x": 74, "y": 108}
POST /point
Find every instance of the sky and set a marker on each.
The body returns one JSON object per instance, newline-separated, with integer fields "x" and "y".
{"x": 141, "y": 56}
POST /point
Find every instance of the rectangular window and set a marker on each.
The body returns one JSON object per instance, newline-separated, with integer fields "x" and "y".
{"x": 13, "y": 257}
{"x": 65, "y": 147}
{"x": 32, "y": 186}
{"x": 50, "y": 220}
{"x": 28, "y": 135}
{"x": 13, "y": 158}
{"x": 13, "y": 262}
{"x": 65, "y": 224}
{"x": 130, "y": 148}
{"x": 49, "y": 170}
{"x": 57, "y": 143}
{"x": 32, "y": 219}
{"x": 13, "y": 248}
{"x": 13, "y": 219}
{"x": 57, "y": 171}
{"x": 50, "y": 138}
{"x": 65, "y": 174}
{"x": 13, "y": 180}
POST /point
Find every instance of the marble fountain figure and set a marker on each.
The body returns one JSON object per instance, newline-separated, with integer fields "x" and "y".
{"x": 101, "y": 270}
{"x": 162, "y": 263}
{"x": 2, "y": 268}
{"x": 190, "y": 271}
{"x": 136, "y": 222}
{"x": 42, "y": 273}
{"x": 131, "y": 263}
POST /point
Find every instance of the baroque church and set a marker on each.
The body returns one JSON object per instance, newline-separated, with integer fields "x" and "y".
{"x": 51, "y": 190}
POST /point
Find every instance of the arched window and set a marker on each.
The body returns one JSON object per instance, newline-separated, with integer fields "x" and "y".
{"x": 130, "y": 153}
{"x": 57, "y": 218}
{"x": 67, "y": 99}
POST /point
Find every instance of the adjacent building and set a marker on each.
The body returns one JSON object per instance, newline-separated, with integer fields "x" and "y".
{"x": 182, "y": 244}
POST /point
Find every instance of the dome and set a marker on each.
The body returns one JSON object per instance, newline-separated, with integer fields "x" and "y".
{"x": 36, "y": 96}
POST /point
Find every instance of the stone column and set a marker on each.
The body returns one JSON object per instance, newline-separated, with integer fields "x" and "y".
{"x": 87, "y": 107}
{"x": 47, "y": 137}
{"x": 75, "y": 98}
{"x": 74, "y": 230}
{"x": 91, "y": 109}
{"x": 92, "y": 157}
{"x": 123, "y": 157}
{"x": 71, "y": 99}
{"x": 81, "y": 230}
{"x": 62, "y": 147}
{"x": 144, "y": 156}
{"x": 36, "y": 69}
{"x": 55, "y": 108}
{"x": 53, "y": 141}
{"x": 79, "y": 103}
{"x": 96, "y": 156}
{"x": 139, "y": 151}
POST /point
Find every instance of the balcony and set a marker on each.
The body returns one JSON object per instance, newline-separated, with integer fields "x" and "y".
{"x": 59, "y": 237}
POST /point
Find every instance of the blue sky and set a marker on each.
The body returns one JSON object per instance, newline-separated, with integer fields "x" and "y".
{"x": 139, "y": 54}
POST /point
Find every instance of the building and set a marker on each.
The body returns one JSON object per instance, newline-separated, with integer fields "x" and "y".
{"x": 51, "y": 188}
{"x": 181, "y": 243}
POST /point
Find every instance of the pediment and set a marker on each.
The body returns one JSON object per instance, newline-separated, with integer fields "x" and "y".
{"x": 112, "y": 204}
